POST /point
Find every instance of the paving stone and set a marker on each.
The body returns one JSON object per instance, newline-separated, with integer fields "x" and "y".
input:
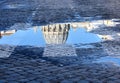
{"x": 45, "y": 81}
{"x": 23, "y": 80}
{"x": 55, "y": 51}
{"x": 83, "y": 81}
{"x": 33, "y": 81}
{"x": 110, "y": 81}
{"x": 66, "y": 81}
{"x": 11, "y": 78}
{"x": 13, "y": 82}
{"x": 2, "y": 81}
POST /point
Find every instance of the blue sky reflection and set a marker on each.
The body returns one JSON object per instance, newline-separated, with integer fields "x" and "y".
{"x": 36, "y": 38}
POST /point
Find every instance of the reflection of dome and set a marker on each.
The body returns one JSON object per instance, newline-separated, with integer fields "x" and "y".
{"x": 56, "y": 34}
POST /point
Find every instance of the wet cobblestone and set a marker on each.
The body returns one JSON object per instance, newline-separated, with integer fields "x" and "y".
{"x": 34, "y": 70}
{"x": 27, "y": 64}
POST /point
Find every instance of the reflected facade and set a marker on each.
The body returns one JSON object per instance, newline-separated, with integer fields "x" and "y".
{"x": 56, "y": 34}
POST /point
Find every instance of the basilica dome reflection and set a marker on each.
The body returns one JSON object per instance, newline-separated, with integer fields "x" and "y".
{"x": 56, "y": 34}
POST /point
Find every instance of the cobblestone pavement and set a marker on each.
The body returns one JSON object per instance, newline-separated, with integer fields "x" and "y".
{"x": 28, "y": 64}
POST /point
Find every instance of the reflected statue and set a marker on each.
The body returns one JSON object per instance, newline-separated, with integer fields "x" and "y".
{"x": 56, "y": 33}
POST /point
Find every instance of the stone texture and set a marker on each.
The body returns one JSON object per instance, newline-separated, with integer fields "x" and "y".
{"x": 36, "y": 64}
{"x": 59, "y": 51}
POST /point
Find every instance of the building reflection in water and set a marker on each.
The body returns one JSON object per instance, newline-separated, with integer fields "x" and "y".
{"x": 56, "y": 36}
{"x": 91, "y": 25}
{"x": 7, "y": 51}
{"x": 7, "y": 33}
{"x": 56, "y": 33}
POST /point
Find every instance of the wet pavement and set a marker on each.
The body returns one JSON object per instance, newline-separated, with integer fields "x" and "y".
{"x": 59, "y": 41}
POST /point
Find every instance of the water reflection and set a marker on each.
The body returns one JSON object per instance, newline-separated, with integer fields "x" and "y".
{"x": 59, "y": 33}
{"x": 7, "y": 33}
{"x": 56, "y": 34}
{"x": 91, "y": 25}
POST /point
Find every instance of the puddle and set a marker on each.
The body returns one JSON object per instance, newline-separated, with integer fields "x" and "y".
{"x": 109, "y": 59}
{"x": 61, "y": 37}
{"x": 51, "y": 34}
{"x": 59, "y": 33}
